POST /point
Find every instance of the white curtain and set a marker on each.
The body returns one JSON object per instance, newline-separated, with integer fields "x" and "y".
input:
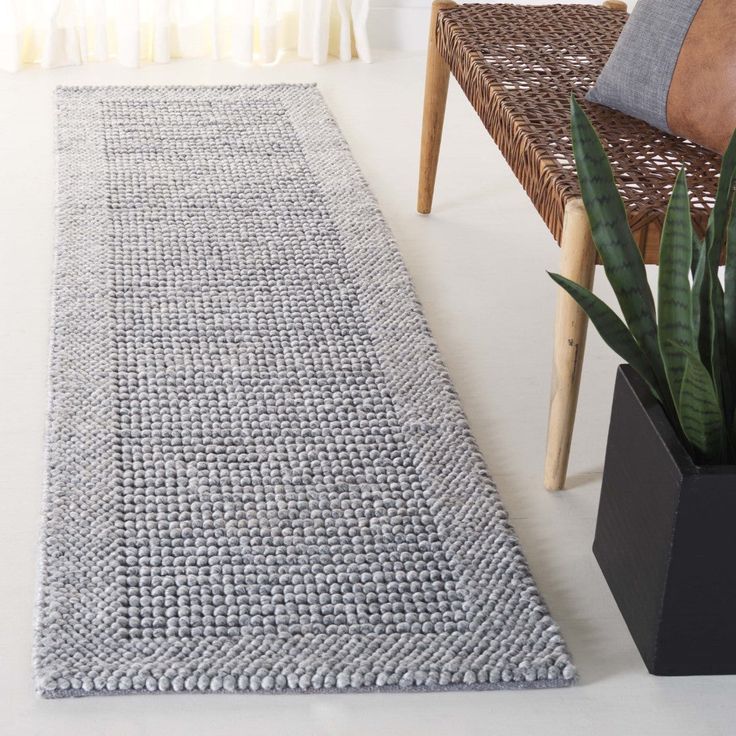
{"x": 62, "y": 32}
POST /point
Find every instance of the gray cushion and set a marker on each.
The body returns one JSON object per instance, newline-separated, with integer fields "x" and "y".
{"x": 636, "y": 79}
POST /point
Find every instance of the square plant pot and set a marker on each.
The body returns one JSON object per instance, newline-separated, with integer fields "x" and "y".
{"x": 666, "y": 540}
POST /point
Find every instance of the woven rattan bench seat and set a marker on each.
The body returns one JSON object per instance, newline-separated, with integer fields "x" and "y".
{"x": 518, "y": 65}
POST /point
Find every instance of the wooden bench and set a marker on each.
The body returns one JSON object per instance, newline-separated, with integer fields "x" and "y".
{"x": 518, "y": 66}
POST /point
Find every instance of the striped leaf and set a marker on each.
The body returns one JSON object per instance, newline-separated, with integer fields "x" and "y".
{"x": 612, "y": 329}
{"x": 718, "y": 347}
{"x": 722, "y": 208}
{"x": 708, "y": 293}
{"x": 613, "y": 239}
{"x": 730, "y": 287}
{"x": 698, "y": 264}
{"x": 674, "y": 301}
{"x": 700, "y": 413}
{"x": 714, "y": 325}
{"x": 708, "y": 319}
{"x": 729, "y": 308}
{"x": 699, "y": 302}
{"x": 730, "y": 157}
{"x": 697, "y": 246}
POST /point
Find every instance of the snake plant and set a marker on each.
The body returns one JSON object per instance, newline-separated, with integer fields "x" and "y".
{"x": 684, "y": 347}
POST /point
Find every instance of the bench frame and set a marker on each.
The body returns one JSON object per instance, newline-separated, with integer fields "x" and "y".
{"x": 578, "y": 259}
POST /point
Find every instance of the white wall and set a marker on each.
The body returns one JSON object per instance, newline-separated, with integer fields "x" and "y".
{"x": 403, "y": 24}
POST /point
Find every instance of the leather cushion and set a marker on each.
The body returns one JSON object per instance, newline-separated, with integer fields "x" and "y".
{"x": 701, "y": 104}
{"x": 675, "y": 67}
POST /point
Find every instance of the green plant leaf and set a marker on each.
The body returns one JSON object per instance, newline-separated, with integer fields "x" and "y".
{"x": 712, "y": 338}
{"x": 612, "y": 329}
{"x": 718, "y": 348}
{"x": 714, "y": 342}
{"x": 674, "y": 300}
{"x": 700, "y": 307}
{"x": 613, "y": 239}
{"x": 722, "y": 208}
{"x": 729, "y": 309}
{"x": 700, "y": 413}
{"x": 730, "y": 287}
{"x": 689, "y": 358}
{"x": 698, "y": 256}
{"x": 708, "y": 320}
{"x": 697, "y": 246}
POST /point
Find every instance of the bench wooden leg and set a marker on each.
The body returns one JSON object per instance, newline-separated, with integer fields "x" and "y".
{"x": 578, "y": 257}
{"x": 435, "y": 97}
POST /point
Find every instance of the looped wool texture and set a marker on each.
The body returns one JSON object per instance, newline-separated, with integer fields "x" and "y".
{"x": 259, "y": 476}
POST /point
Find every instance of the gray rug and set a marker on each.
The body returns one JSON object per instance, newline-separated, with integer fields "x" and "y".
{"x": 259, "y": 476}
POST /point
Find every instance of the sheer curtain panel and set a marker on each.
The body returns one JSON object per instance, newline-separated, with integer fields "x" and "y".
{"x": 62, "y": 32}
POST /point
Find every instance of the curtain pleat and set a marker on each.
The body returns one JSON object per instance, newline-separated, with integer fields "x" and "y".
{"x": 68, "y": 32}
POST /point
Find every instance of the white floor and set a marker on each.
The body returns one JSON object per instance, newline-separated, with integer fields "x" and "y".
{"x": 479, "y": 266}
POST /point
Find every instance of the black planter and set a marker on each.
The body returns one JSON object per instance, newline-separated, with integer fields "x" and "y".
{"x": 666, "y": 540}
